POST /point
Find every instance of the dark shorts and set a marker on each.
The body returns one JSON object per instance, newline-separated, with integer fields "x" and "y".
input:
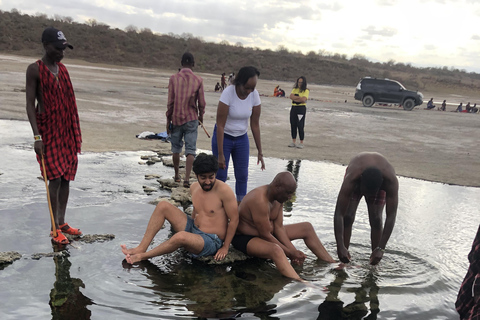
{"x": 211, "y": 241}
{"x": 240, "y": 242}
{"x": 378, "y": 199}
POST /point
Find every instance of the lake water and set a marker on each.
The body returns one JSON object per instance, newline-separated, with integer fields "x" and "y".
{"x": 418, "y": 278}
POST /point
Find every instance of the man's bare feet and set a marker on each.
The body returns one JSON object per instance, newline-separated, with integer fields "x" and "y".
{"x": 130, "y": 251}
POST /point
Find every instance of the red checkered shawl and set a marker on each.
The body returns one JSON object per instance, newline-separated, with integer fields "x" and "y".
{"x": 58, "y": 125}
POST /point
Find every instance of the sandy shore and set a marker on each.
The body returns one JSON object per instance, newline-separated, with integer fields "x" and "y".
{"x": 117, "y": 103}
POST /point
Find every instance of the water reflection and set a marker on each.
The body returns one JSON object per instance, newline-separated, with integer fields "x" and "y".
{"x": 222, "y": 291}
{"x": 66, "y": 299}
{"x": 367, "y": 293}
{"x": 295, "y": 170}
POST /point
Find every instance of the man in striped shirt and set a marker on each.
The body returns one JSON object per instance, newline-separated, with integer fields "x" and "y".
{"x": 185, "y": 108}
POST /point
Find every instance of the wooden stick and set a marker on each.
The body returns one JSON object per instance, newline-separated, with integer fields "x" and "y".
{"x": 54, "y": 228}
{"x": 208, "y": 135}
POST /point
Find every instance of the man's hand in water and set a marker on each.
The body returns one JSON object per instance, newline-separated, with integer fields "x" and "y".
{"x": 376, "y": 256}
{"x": 344, "y": 255}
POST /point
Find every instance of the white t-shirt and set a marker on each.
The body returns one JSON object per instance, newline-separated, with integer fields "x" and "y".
{"x": 239, "y": 111}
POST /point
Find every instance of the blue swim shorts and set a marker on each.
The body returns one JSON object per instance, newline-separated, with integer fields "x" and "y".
{"x": 211, "y": 241}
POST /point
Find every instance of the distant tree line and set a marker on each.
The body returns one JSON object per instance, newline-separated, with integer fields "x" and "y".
{"x": 97, "y": 42}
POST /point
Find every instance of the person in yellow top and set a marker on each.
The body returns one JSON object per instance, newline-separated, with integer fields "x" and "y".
{"x": 299, "y": 97}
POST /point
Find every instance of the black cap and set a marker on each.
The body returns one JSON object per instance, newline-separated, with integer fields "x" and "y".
{"x": 187, "y": 58}
{"x": 56, "y": 37}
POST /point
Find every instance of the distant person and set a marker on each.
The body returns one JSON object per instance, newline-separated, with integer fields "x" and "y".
{"x": 281, "y": 93}
{"x": 430, "y": 105}
{"x": 299, "y": 97}
{"x": 185, "y": 108}
{"x": 210, "y": 229}
{"x": 468, "y": 108}
{"x": 55, "y": 125}
{"x": 231, "y": 78}
{"x": 368, "y": 175}
{"x": 474, "y": 108}
{"x": 238, "y": 104}
{"x": 223, "y": 81}
{"x": 468, "y": 298}
{"x": 444, "y": 106}
{"x": 261, "y": 232}
{"x": 459, "y": 108}
{"x": 218, "y": 87}
{"x": 275, "y": 91}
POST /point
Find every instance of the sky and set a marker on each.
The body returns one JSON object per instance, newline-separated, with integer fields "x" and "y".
{"x": 424, "y": 33}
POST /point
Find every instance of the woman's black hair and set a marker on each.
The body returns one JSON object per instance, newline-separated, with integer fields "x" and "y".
{"x": 205, "y": 163}
{"x": 244, "y": 74}
{"x": 304, "y": 84}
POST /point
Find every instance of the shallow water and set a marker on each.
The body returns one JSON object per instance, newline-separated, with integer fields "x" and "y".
{"x": 418, "y": 278}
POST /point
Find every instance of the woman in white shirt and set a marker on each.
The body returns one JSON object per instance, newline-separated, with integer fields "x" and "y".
{"x": 238, "y": 103}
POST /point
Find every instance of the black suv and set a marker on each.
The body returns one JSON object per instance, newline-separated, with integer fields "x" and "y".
{"x": 371, "y": 90}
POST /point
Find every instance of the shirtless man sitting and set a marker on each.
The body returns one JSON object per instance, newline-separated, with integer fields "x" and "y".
{"x": 261, "y": 232}
{"x": 210, "y": 229}
{"x": 368, "y": 175}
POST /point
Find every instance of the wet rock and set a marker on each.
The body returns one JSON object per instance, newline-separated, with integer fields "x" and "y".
{"x": 151, "y": 176}
{"x": 38, "y": 256}
{"x": 148, "y": 189}
{"x": 142, "y": 163}
{"x": 91, "y": 238}
{"x": 155, "y": 159}
{"x": 232, "y": 256}
{"x": 169, "y": 184}
{"x": 173, "y": 202}
{"x": 150, "y": 162}
{"x": 9, "y": 257}
{"x": 163, "y": 153}
{"x": 167, "y": 161}
{"x": 181, "y": 195}
{"x": 188, "y": 211}
{"x": 144, "y": 157}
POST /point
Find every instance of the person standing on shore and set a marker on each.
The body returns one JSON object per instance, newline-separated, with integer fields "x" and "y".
{"x": 55, "y": 125}
{"x": 299, "y": 97}
{"x": 185, "y": 109}
{"x": 368, "y": 175}
{"x": 238, "y": 104}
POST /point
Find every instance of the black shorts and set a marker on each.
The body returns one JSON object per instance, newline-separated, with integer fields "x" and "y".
{"x": 240, "y": 242}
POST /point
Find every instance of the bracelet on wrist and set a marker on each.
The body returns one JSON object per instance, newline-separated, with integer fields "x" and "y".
{"x": 37, "y": 137}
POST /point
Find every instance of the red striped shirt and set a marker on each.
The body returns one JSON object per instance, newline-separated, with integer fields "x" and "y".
{"x": 186, "y": 98}
{"x": 58, "y": 125}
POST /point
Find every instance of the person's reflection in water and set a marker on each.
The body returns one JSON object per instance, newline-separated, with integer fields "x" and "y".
{"x": 66, "y": 300}
{"x": 332, "y": 308}
{"x": 223, "y": 291}
{"x": 294, "y": 169}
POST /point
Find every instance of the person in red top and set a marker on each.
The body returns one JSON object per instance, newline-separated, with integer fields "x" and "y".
{"x": 185, "y": 109}
{"x": 55, "y": 124}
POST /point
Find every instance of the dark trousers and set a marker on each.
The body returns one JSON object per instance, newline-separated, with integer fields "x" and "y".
{"x": 297, "y": 121}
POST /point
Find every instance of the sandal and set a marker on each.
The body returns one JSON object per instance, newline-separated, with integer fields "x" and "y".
{"x": 177, "y": 179}
{"x": 73, "y": 231}
{"x": 186, "y": 184}
{"x": 60, "y": 238}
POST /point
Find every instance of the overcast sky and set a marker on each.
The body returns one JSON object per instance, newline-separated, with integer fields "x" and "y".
{"x": 424, "y": 33}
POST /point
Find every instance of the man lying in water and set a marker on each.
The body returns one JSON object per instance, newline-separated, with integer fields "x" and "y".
{"x": 261, "y": 232}
{"x": 210, "y": 229}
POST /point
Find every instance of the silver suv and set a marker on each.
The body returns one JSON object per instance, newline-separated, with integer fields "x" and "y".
{"x": 372, "y": 90}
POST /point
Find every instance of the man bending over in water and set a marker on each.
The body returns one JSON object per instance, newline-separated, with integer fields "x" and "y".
{"x": 210, "y": 229}
{"x": 368, "y": 175}
{"x": 261, "y": 232}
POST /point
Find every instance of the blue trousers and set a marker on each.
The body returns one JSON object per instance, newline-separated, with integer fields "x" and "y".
{"x": 239, "y": 149}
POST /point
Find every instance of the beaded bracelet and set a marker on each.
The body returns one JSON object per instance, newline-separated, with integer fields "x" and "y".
{"x": 378, "y": 248}
{"x": 37, "y": 138}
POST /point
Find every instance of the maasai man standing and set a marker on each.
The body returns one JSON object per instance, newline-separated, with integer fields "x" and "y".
{"x": 55, "y": 124}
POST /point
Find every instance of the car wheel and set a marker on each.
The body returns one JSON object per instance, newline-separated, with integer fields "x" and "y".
{"x": 408, "y": 104}
{"x": 368, "y": 101}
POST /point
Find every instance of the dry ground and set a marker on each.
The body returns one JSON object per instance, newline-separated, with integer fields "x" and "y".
{"x": 117, "y": 103}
